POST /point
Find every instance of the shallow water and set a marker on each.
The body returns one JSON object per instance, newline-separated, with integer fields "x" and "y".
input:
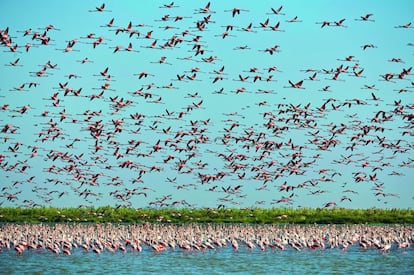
{"x": 221, "y": 261}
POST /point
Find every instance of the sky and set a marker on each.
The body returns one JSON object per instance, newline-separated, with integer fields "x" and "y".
{"x": 207, "y": 104}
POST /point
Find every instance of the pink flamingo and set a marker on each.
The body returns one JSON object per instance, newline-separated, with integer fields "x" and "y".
{"x": 297, "y": 85}
{"x": 235, "y": 11}
{"x": 365, "y": 18}
{"x": 101, "y": 8}
{"x": 277, "y": 11}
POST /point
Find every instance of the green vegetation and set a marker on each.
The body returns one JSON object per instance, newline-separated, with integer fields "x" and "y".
{"x": 208, "y": 215}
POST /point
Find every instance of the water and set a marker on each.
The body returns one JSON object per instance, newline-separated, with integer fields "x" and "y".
{"x": 221, "y": 261}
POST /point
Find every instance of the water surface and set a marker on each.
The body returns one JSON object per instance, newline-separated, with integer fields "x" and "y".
{"x": 221, "y": 261}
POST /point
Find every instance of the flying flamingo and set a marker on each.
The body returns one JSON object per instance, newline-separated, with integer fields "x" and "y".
{"x": 117, "y": 48}
{"x": 366, "y": 46}
{"x": 20, "y": 88}
{"x": 110, "y": 24}
{"x": 235, "y": 11}
{"x": 276, "y": 27}
{"x": 248, "y": 28}
{"x": 348, "y": 58}
{"x": 324, "y": 23}
{"x": 313, "y": 77}
{"x": 14, "y": 63}
{"x": 339, "y": 23}
{"x": 101, "y": 8}
{"x": 205, "y": 10}
{"x": 169, "y": 6}
{"x": 28, "y": 46}
{"x": 69, "y": 47}
{"x": 396, "y": 59}
{"x": 330, "y": 204}
{"x": 370, "y": 87}
{"x": 277, "y": 11}
{"x": 225, "y": 34}
{"x": 152, "y": 46}
{"x": 405, "y": 26}
{"x": 294, "y": 20}
{"x": 365, "y": 18}
{"x": 265, "y": 24}
{"x": 297, "y": 85}
{"x": 359, "y": 73}
{"x": 51, "y": 27}
{"x": 143, "y": 74}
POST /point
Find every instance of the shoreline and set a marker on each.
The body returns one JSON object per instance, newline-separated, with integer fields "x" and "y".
{"x": 109, "y": 214}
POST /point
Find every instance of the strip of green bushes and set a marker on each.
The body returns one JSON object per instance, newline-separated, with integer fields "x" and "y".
{"x": 207, "y": 215}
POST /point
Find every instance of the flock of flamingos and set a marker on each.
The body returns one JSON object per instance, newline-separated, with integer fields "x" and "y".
{"x": 67, "y": 239}
{"x": 197, "y": 118}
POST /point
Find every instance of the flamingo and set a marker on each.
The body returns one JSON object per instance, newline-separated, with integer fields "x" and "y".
{"x": 396, "y": 59}
{"x": 294, "y": 20}
{"x": 366, "y": 18}
{"x": 405, "y": 26}
{"x": 205, "y": 10}
{"x": 235, "y": 11}
{"x": 51, "y": 27}
{"x": 297, "y": 85}
{"x": 370, "y": 87}
{"x": 169, "y": 6}
{"x": 324, "y": 23}
{"x": 152, "y": 46}
{"x": 339, "y": 23}
{"x": 330, "y": 204}
{"x": 117, "y": 48}
{"x": 69, "y": 46}
{"x": 374, "y": 97}
{"x": 110, "y": 24}
{"x": 349, "y": 58}
{"x": 313, "y": 77}
{"x": 265, "y": 24}
{"x": 359, "y": 73}
{"x": 277, "y": 11}
{"x": 20, "y": 88}
{"x": 28, "y": 46}
{"x": 366, "y": 46}
{"x": 248, "y": 28}
{"x": 14, "y": 63}
{"x": 101, "y": 8}
{"x": 276, "y": 27}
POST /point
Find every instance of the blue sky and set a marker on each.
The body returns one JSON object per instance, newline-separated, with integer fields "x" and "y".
{"x": 239, "y": 143}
